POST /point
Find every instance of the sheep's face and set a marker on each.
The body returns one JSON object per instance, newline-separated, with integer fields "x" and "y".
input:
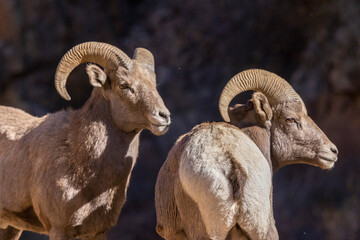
{"x": 294, "y": 137}
{"x": 297, "y": 139}
{"x": 134, "y": 101}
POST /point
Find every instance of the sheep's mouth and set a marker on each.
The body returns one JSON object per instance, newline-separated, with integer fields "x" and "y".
{"x": 326, "y": 161}
{"x": 160, "y": 125}
{"x": 159, "y": 129}
{"x": 327, "y": 158}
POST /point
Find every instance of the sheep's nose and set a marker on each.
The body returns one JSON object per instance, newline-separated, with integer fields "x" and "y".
{"x": 334, "y": 149}
{"x": 165, "y": 116}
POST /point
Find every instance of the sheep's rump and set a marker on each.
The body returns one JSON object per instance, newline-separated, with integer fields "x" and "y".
{"x": 226, "y": 174}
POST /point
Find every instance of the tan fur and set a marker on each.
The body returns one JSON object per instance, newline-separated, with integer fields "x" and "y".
{"x": 66, "y": 174}
{"x": 216, "y": 181}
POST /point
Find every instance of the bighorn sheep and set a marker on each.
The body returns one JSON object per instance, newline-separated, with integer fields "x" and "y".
{"x": 66, "y": 174}
{"x": 216, "y": 181}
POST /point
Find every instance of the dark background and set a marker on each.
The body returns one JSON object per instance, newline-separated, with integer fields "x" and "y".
{"x": 198, "y": 46}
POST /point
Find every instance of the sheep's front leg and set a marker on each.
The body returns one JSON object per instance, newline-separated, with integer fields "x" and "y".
{"x": 10, "y": 233}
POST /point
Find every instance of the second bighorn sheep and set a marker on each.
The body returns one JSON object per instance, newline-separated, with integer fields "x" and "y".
{"x": 216, "y": 182}
{"x": 66, "y": 174}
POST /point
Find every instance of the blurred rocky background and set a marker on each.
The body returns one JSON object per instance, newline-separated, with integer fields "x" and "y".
{"x": 198, "y": 46}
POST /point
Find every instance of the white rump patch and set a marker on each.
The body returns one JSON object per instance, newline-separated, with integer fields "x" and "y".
{"x": 204, "y": 168}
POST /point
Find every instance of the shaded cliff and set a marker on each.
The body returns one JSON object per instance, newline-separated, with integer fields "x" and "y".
{"x": 198, "y": 46}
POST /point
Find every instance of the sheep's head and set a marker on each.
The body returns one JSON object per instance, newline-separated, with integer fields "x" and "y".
{"x": 128, "y": 84}
{"x": 294, "y": 137}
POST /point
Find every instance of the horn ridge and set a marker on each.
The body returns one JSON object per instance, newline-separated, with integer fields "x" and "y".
{"x": 275, "y": 88}
{"x": 106, "y": 55}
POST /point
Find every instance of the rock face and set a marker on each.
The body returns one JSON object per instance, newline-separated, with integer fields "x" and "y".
{"x": 198, "y": 46}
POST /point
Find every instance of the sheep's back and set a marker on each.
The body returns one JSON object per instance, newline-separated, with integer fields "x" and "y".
{"x": 15, "y": 123}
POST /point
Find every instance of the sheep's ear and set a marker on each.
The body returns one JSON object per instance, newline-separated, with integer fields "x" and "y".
{"x": 97, "y": 77}
{"x": 263, "y": 109}
{"x": 144, "y": 57}
{"x": 239, "y": 111}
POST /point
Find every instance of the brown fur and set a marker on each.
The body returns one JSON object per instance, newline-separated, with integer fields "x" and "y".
{"x": 66, "y": 174}
{"x": 221, "y": 173}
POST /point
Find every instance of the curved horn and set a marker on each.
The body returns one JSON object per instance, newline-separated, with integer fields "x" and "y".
{"x": 106, "y": 55}
{"x": 275, "y": 88}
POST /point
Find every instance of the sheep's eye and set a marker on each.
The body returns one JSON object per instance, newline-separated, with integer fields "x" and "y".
{"x": 124, "y": 85}
{"x": 289, "y": 120}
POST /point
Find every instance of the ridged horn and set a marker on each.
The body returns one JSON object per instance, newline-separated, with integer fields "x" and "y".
{"x": 275, "y": 88}
{"x": 106, "y": 55}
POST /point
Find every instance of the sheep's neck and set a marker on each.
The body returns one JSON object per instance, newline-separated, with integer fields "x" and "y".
{"x": 261, "y": 137}
{"x": 102, "y": 143}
